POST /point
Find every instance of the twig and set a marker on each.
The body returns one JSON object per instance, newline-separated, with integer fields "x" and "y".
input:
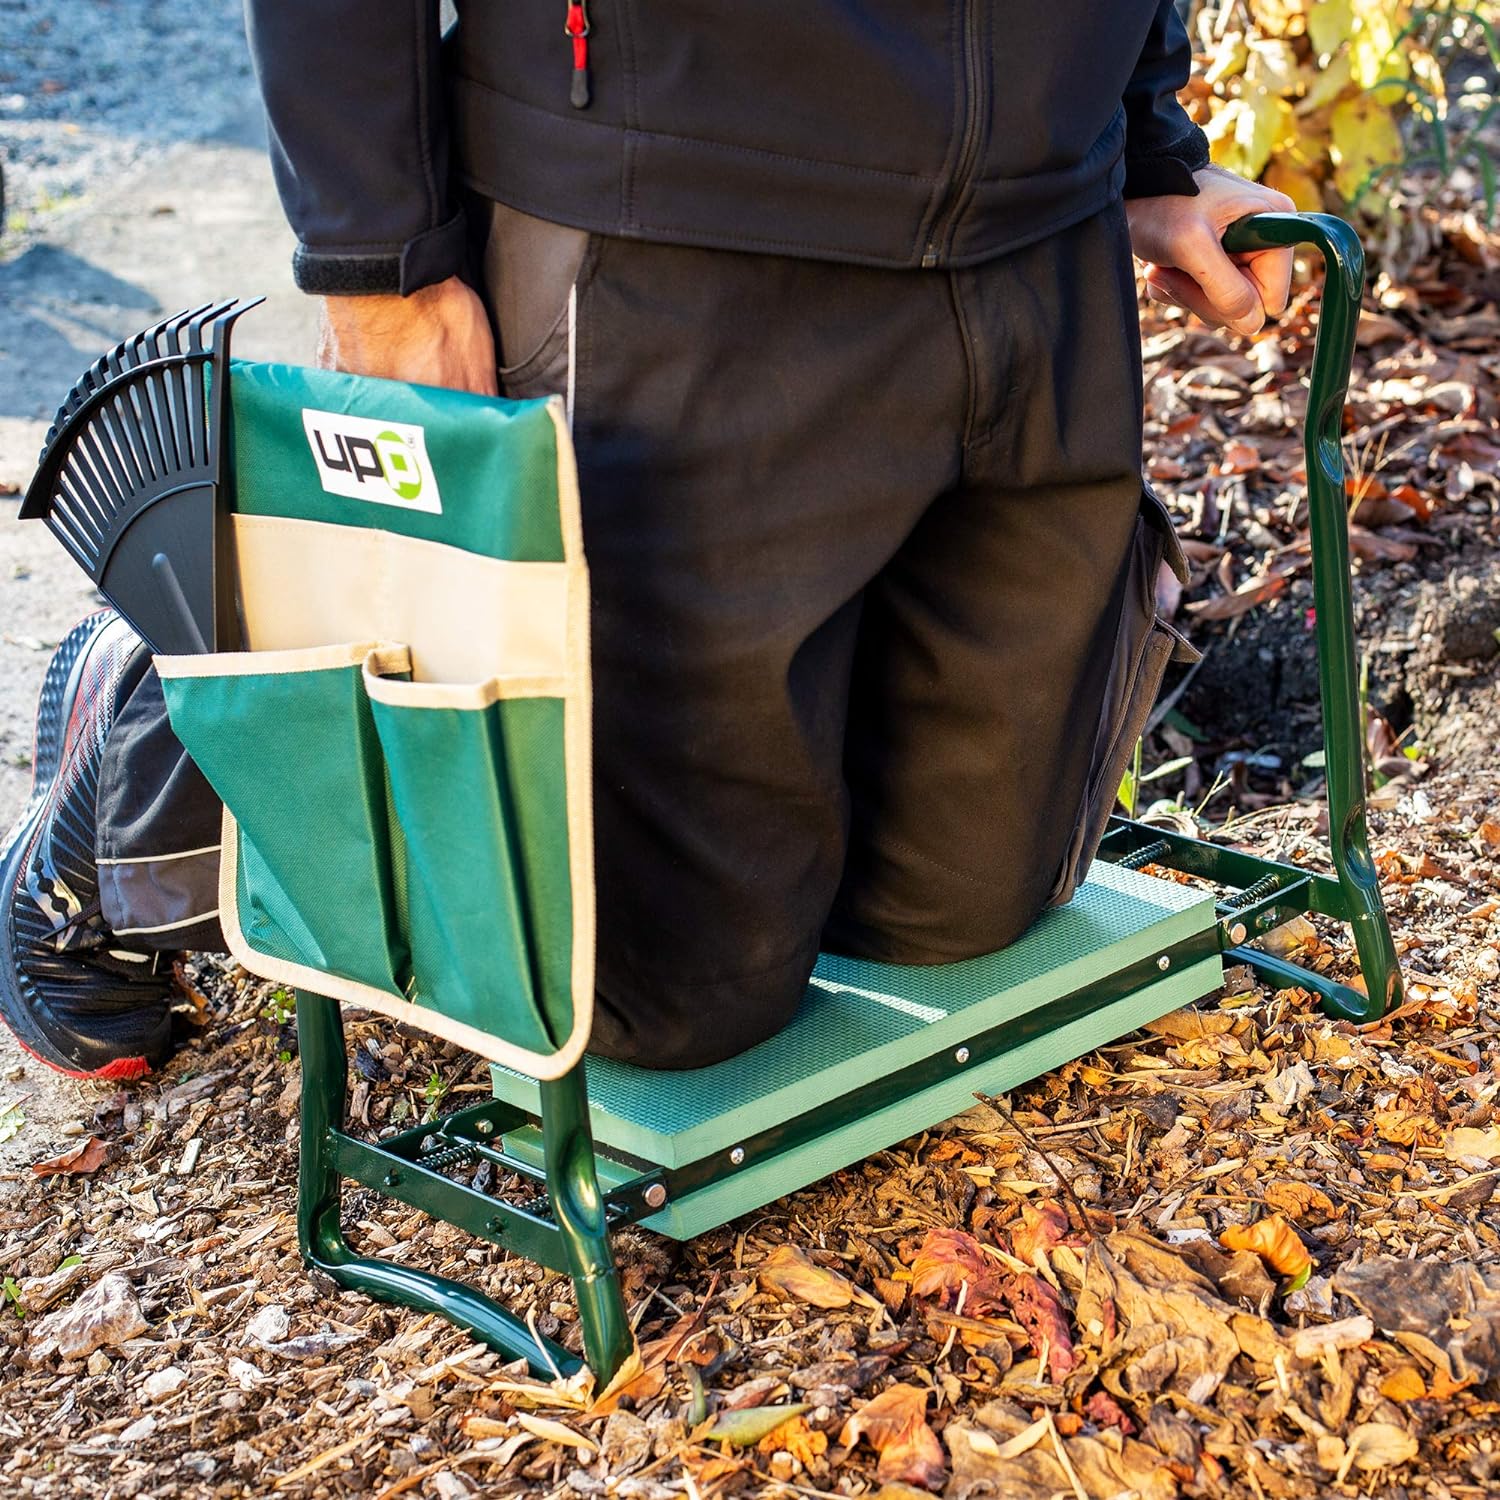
{"x": 1082, "y": 1223}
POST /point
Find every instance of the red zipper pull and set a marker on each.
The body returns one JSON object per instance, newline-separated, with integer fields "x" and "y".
{"x": 577, "y": 27}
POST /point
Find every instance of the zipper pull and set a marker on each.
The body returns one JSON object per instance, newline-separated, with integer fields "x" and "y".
{"x": 577, "y": 27}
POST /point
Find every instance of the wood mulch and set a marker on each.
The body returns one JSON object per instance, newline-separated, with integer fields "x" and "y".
{"x": 1249, "y": 1252}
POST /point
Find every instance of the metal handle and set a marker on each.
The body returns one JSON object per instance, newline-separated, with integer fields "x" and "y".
{"x": 1338, "y": 667}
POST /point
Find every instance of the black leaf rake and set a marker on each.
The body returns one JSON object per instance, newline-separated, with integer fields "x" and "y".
{"x": 129, "y": 480}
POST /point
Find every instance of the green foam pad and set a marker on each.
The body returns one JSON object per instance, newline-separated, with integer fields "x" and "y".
{"x": 740, "y": 1190}
{"x": 861, "y": 1022}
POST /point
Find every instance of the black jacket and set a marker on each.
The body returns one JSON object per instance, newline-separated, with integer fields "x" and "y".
{"x": 882, "y": 132}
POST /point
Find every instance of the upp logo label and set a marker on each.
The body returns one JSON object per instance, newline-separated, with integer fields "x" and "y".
{"x": 385, "y": 462}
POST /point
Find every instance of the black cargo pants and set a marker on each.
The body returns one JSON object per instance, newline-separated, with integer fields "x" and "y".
{"x": 872, "y": 572}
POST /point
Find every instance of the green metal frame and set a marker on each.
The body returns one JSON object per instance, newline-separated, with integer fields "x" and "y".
{"x": 564, "y": 1219}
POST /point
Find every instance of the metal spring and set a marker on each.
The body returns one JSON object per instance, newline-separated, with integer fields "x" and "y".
{"x": 447, "y": 1156}
{"x": 1267, "y": 885}
{"x": 1147, "y": 854}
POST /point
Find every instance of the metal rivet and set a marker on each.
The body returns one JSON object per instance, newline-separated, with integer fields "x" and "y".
{"x": 1164, "y": 963}
{"x": 484, "y": 1127}
{"x": 1237, "y": 933}
{"x": 392, "y": 1178}
{"x": 495, "y": 1224}
{"x": 737, "y": 1155}
{"x": 962, "y": 1055}
{"x": 656, "y": 1194}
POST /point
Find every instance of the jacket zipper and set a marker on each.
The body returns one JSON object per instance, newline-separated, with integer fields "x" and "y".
{"x": 577, "y": 27}
{"x": 958, "y": 185}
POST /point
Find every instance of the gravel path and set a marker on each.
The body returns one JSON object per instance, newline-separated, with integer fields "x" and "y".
{"x": 137, "y": 184}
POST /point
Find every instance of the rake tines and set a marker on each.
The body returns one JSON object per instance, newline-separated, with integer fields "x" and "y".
{"x": 129, "y": 474}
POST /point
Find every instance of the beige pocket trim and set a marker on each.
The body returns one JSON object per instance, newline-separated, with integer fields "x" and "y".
{"x": 460, "y": 613}
{"x": 387, "y": 656}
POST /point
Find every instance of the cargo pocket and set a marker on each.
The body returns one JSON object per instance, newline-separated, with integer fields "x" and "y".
{"x": 1144, "y": 645}
{"x": 478, "y": 786}
{"x": 287, "y": 741}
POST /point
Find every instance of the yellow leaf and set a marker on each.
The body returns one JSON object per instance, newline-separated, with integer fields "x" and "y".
{"x": 1272, "y": 65}
{"x": 1372, "y": 47}
{"x": 1275, "y": 1241}
{"x": 1466, "y": 1142}
{"x": 1363, "y": 139}
{"x": 1241, "y": 135}
{"x": 1329, "y": 25}
{"x": 1228, "y": 59}
{"x": 1296, "y": 182}
{"x": 1280, "y": 18}
{"x": 1380, "y": 1445}
{"x": 1327, "y": 86}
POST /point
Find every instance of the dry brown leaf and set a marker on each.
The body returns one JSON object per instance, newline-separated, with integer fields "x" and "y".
{"x": 1300, "y": 1201}
{"x": 804, "y": 1443}
{"x": 790, "y": 1272}
{"x": 1405, "y": 1384}
{"x": 1035, "y": 1306}
{"x": 1250, "y": 593}
{"x": 949, "y": 1258}
{"x": 894, "y": 1424}
{"x": 86, "y": 1157}
{"x": 1466, "y": 1143}
{"x": 1042, "y": 1226}
{"x": 1275, "y": 1241}
{"x": 1239, "y": 457}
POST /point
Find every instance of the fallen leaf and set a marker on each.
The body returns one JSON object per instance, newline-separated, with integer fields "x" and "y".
{"x": 555, "y": 1432}
{"x": 1467, "y": 1144}
{"x": 1332, "y": 1338}
{"x": 748, "y": 1426}
{"x": 946, "y": 1261}
{"x": 86, "y": 1157}
{"x": 1276, "y": 1242}
{"x": 1239, "y": 457}
{"x": 1301, "y": 1201}
{"x": 1405, "y": 1384}
{"x": 790, "y": 1272}
{"x": 1371, "y": 1445}
{"x": 1250, "y": 593}
{"x": 1042, "y": 1226}
{"x": 1035, "y": 1306}
{"x": 107, "y": 1313}
{"x": 804, "y": 1443}
{"x": 894, "y": 1424}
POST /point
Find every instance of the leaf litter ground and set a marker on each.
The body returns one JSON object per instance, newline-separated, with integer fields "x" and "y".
{"x": 1249, "y": 1252}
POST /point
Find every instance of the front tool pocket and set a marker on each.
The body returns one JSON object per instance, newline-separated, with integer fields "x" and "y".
{"x": 287, "y": 741}
{"x": 478, "y": 778}
{"x": 1143, "y": 646}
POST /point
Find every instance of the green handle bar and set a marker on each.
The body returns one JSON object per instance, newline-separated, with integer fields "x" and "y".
{"x": 1338, "y": 670}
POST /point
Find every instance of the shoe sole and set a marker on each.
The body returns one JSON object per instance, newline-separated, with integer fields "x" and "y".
{"x": 58, "y": 690}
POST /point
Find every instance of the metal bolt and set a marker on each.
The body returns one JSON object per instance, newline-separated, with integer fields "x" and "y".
{"x": 961, "y": 1056}
{"x": 1237, "y": 933}
{"x": 495, "y": 1224}
{"x": 737, "y": 1155}
{"x": 484, "y": 1127}
{"x": 1164, "y": 963}
{"x": 392, "y": 1178}
{"x": 656, "y": 1194}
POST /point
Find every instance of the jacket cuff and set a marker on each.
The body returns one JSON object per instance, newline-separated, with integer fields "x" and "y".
{"x": 432, "y": 256}
{"x": 1167, "y": 171}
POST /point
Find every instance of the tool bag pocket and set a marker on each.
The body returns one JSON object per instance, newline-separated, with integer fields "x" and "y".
{"x": 287, "y": 740}
{"x": 478, "y": 782}
{"x": 1144, "y": 645}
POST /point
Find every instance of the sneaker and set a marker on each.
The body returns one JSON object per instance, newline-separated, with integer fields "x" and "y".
{"x": 75, "y": 997}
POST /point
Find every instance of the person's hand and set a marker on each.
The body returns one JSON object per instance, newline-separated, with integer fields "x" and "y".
{"x": 439, "y": 335}
{"x": 1178, "y": 239}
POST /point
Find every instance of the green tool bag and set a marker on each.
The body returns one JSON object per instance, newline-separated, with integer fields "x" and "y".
{"x": 404, "y": 751}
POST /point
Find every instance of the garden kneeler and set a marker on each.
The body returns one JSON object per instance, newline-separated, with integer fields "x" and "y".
{"x": 403, "y": 753}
